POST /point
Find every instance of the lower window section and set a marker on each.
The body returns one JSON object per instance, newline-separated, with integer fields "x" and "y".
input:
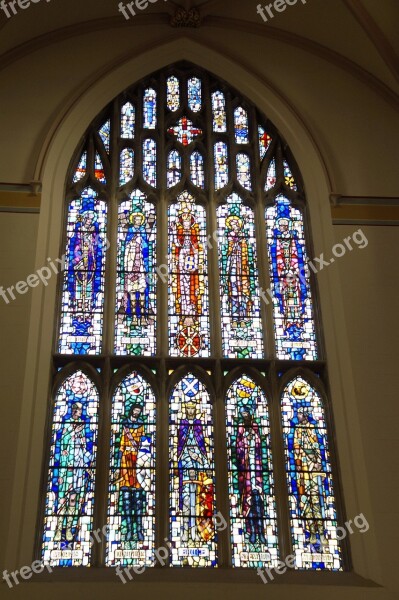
{"x": 194, "y": 521}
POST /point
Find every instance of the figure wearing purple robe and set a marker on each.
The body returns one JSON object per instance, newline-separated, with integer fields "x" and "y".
{"x": 84, "y": 265}
{"x": 250, "y": 475}
{"x": 192, "y": 464}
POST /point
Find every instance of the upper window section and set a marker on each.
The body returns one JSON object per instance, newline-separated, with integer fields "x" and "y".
{"x": 186, "y": 222}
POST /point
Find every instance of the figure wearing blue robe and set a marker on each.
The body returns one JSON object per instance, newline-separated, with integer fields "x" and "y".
{"x": 287, "y": 258}
{"x": 149, "y": 109}
{"x": 288, "y": 269}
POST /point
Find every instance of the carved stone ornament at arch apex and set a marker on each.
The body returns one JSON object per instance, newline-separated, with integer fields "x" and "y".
{"x": 186, "y": 18}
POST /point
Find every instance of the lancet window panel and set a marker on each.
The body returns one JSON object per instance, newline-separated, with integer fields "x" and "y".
{"x": 70, "y": 490}
{"x": 310, "y": 480}
{"x": 131, "y": 506}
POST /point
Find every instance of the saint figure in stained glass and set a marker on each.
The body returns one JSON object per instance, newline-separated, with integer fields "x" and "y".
{"x": 192, "y": 475}
{"x": 84, "y": 271}
{"x": 188, "y": 283}
{"x": 309, "y": 477}
{"x": 195, "y": 487}
{"x": 307, "y": 454}
{"x": 250, "y": 476}
{"x": 288, "y": 271}
{"x": 135, "y": 264}
{"x": 74, "y": 457}
{"x": 238, "y": 267}
{"x": 253, "y": 510}
{"x": 131, "y": 500}
{"x": 136, "y": 285}
{"x": 242, "y": 329}
{"x": 132, "y": 494}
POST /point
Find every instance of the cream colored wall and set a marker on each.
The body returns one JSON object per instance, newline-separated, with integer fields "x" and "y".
{"x": 369, "y": 279}
{"x": 307, "y": 98}
{"x": 18, "y": 237}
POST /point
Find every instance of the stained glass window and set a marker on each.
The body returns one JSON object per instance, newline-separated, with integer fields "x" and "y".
{"x": 81, "y": 168}
{"x": 185, "y": 131}
{"x": 126, "y": 172}
{"x": 240, "y": 310}
{"x": 83, "y": 276}
{"x": 197, "y": 169}
{"x": 174, "y": 168}
{"x": 264, "y": 141}
{"x": 271, "y": 177}
{"x": 288, "y": 177}
{"x": 150, "y": 162}
{"x": 194, "y": 94}
{"x": 253, "y": 513}
{"x": 136, "y": 278}
{"x": 150, "y": 108}
{"x": 221, "y": 165}
{"x": 173, "y": 94}
{"x": 193, "y": 532}
{"x": 128, "y": 119}
{"x": 244, "y": 171}
{"x": 219, "y": 112}
{"x": 196, "y": 194}
{"x": 131, "y": 499}
{"x": 310, "y": 485}
{"x": 68, "y": 520}
{"x": 189, "y": 333}
{"x": 99, "y": 169}
{"x": 241, "y": 125}
{"x": 104, "y": 133}
{"x": 294, "y": 325}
